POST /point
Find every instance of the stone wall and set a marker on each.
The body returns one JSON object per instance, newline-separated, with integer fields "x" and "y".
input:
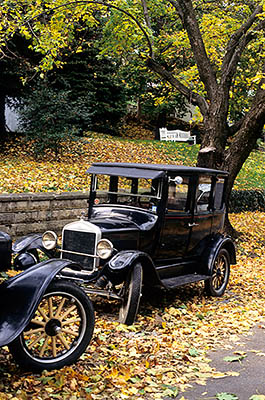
{"x": 25, "y": 213}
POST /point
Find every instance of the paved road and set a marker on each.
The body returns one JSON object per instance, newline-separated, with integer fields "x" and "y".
{"x": 251, "y": 379}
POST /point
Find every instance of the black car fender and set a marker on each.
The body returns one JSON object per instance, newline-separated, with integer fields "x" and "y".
{"x": 121, "y": 264}
{"x": 26, "y": 253}
{"x": 21, "y": 295}
{"x": 217, "y": 243}
{"x": 30, "y": 242}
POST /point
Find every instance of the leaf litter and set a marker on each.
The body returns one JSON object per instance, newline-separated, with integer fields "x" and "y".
{"x": 165, "y": 351}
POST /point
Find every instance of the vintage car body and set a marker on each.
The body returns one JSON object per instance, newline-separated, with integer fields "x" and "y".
{"x": 149, "y": 224}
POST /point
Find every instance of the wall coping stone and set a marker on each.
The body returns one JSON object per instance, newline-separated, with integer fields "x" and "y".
{"x": 43, "y": 196}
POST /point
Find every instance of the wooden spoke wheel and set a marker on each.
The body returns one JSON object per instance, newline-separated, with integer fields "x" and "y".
{"x": 60, "y": 330}
{"x": 216, "y": 285}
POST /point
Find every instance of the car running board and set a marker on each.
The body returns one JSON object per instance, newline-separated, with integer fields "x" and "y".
{"x": 172, "y": 283}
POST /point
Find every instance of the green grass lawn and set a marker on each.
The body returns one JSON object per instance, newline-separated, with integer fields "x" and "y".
{"x": 251, "y": 176}
{"x": 21, "y": 172}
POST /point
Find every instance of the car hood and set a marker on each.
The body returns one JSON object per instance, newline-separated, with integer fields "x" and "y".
{"x": 115, "y": 218}
{"x": 114, "y": 224}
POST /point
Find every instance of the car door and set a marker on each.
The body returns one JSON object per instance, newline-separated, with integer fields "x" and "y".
{"x": 201, "y": 224}
{"x": 175, "y": 231}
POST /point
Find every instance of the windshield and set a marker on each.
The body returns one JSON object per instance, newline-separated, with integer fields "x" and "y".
{"x": 136, "y": 192}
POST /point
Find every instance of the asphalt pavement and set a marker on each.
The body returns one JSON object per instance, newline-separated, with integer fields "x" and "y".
{"x": 251, "y": 369}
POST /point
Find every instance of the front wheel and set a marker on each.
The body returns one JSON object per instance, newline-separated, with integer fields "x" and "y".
{"x": 218, "y": 281}
{"x": 59, "y": 332}
{"x": 131, "y": 294}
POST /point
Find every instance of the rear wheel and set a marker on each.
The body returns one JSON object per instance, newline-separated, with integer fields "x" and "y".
{"x": 59, "y": 332}
{"x": 216, "y": 285}
{"x": 131, "y": 294}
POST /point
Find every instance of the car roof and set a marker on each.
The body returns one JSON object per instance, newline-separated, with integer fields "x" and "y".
{"x": 150, "y": 171}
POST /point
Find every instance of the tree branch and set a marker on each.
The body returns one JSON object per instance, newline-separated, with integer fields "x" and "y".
{"x": 251, "y": 126}
{"x": 235, "y": 47}
{"x": 192, "y": 97}
{"x": 148, "y": 24}
{"x": 102, "y": 3}
{"x": 187, "y": 15}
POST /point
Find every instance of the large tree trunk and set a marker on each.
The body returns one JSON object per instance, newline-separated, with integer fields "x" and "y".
{"x": 217, "y": 153}
{"x": 214, "y": 140}
{"x": 222, "y": 147}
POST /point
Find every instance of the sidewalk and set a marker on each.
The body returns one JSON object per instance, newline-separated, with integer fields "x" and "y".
{"x": 251, "y": 369}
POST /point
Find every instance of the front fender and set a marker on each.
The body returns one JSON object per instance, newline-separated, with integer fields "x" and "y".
{"x": 33, "y": 241}
{"x": 120, "y": 265}
{"x": 21, "y": 295}
{"x": 218, "y": 242}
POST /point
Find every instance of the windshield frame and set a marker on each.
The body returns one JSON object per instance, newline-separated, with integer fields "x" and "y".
{"x": 132, "y": 194}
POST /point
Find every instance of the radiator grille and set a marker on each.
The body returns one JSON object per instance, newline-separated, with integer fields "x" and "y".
{"x": 80, "y": 242}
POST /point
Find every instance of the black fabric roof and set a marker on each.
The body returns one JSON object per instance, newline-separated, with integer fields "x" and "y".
{"x": 129, "y": 172}
{"x": 149, "y": 171}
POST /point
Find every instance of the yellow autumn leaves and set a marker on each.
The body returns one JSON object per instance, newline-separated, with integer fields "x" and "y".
{"x": 165, "y": 351}
{"x": 20, "y": 172}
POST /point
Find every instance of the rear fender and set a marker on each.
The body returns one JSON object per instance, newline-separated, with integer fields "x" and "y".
{"x": 121, "y": 264}
{"x": 219, "y": 242}
{"x": 21, "y": 295}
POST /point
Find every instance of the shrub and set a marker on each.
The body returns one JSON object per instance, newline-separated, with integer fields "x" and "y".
{"x": 48, "y": 117}
{"x": 247, "y": 200}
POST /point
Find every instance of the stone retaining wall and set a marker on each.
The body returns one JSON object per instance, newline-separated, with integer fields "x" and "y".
{"x": 25, "y": 213}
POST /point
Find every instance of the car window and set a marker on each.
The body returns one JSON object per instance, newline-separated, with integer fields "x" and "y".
{"x": 177, "y": 194}
{"x": 218, "y": 195}
{"x": 203, "y": 193}
{"x": 135, "y": 192}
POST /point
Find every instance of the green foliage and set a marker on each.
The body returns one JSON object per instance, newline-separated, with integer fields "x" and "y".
{"x": 158, "y": 98}
{"x": 226, "y": 396}
{"x": 93, "y": 78}
{"x": 50, "y": 27}
{"x": 247, "y": 200}
{"x": 47, "y": 116}
{"x": 84, "y": 94}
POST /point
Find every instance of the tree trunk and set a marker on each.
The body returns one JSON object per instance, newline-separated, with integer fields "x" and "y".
{"x": 161, "y": 122}
{"x": 139, "y": 109}
{"x": 215, "y": 152}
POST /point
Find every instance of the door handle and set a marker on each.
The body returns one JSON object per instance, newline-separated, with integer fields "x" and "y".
{"x": 193, "y": 224}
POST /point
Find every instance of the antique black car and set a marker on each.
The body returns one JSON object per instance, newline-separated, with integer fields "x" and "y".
{"x": 46, "y": 321}
{"x": 151, "y": 225}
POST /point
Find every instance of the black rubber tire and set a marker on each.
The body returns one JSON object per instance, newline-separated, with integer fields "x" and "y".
{"x": 65, "y": 319}
{"x": 132, "y": 289}
{"x": 216, "y": 285}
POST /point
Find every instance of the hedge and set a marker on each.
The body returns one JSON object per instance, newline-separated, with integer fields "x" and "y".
{"x": 247, "y": 200}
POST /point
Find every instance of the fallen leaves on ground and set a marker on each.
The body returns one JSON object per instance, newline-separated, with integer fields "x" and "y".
{"x": 226, "y": 396}
{"x": 21, "y": 172}
{"x": 165, "y": 351}
{"x": 134, "y": 130}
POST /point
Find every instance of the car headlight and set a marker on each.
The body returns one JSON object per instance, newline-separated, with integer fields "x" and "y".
{"x": 104, "y": 249}
{"x": 49, "y": 240}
